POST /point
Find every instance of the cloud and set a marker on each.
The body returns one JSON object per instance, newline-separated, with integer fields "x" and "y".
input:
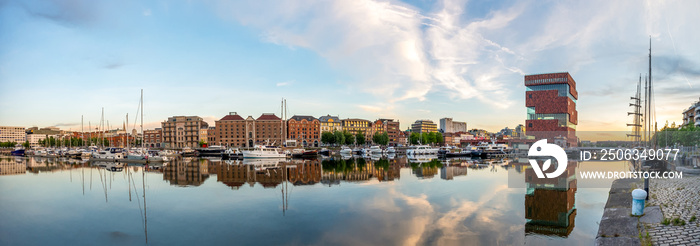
{"x": 147, "y": 12}
{"x": 64, "y": 12}
{"x": 66, "y": 124}
{"x": 391, "y": 49}
{"x": 113, "y": 65}
{"x": 285, "y": 83}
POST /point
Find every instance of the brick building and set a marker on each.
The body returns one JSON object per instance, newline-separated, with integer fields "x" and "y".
{"x": 551, "y": 106}
{"x": 235, "y": 131}
{"x": 153, "y": 138}
{"x": 306, "y": 130}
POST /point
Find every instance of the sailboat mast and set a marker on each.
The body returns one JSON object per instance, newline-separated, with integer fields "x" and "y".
{"x": 142, "y": 121}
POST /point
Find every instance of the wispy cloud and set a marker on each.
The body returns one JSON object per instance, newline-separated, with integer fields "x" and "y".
{"x": 285, "y": 83}
{"x": 64, "y": 12}
{"x": 146, "y": 12}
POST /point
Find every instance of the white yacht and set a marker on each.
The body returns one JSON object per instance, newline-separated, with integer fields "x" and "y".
{"x": 390, "y": 150}
{"x": 264, "y": 152}
{"x": 110, "y": 153}
{"x": 422, "y": 150}
{"x": 375, "y": 150}
{"x": 345, "y": 151}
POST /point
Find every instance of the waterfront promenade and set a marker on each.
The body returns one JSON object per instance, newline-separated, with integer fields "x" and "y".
{"x": 677, "y": 198}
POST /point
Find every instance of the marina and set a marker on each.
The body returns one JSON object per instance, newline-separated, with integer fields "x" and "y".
{"x": 329, "y": 199}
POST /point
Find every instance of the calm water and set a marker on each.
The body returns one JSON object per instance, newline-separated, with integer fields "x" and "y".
{"x": 312, "y": 202}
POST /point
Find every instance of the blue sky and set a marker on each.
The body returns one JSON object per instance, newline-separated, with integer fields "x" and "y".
{"x": 356, "y": 58}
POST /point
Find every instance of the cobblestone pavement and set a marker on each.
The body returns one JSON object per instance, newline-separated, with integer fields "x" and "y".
{"x": 678, "y": 198}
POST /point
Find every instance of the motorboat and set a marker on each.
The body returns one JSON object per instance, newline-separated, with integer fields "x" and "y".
{"x": 375, "y": 150}
{"x": 324, "y": 151}
{"x": 232, "y": 153}
{"x": 19, "y": 151}
{"x": 261, "y": 151}
{"x": 422, "y": 150}
{"x": 110, "y": 153}
{"x": 390, "y": 150}
{"x": 302, "y": 153}
{"x": 214, "y": 150}
{"x": 345, "y": 151}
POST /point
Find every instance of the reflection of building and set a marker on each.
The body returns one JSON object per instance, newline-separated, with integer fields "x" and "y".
{"x": 12, "y": 134}
{"x": 551, "y": 106}
{"x": 448, "y": 173}
{"x": 305, "y": 130}
{"x": 550, "y": 202}
{"x": 423, "y": 126}
{"x": 269, "y": 175}
{"x": 183, "y": 131}
{"x": 12, "y": 166}
{"x": 425, "y": 172}
{"x": 447, "y": 125}
{"x": 186, "y": 173}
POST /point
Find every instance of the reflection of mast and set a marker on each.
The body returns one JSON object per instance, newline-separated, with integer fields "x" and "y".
{"x": 284, "y": 193}
{"x": 145, "y": 217}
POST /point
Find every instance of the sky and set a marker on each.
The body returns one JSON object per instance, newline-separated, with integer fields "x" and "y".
{"x": 64, "y": 60}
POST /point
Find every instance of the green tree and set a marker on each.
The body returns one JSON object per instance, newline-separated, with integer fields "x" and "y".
{"x": 202, "y": 143}
{"x": 26, "y": 144}
{"x": 360, "y": 138}
{"x": 414, "y": 138}
{"x": 339, "y": 137}
{"x": 327, "y": 138}
{"x": 439, "y": 138}
{"x": 349, "y": 138}
{"x": 381, "y": 138}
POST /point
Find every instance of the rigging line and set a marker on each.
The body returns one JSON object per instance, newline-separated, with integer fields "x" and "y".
{"x": 138, "y": 200}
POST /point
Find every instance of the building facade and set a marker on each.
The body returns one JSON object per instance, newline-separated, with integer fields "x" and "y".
{"x": 330, "y": 124}
{"x": 12, "y": 134}
{"x": 551, "y": 106}
{"x": 234, "y": 131}
{"x": 393, "y": 128}
{"x": 356, "y": 126}
{"x": 183, "y": 131}
{"x": 306, "y": 130}
{"x": 692, "y": 114}
{"x": 424, "y": 126}
{"x": 447, "y": 125}
{"x": 153, "y": 138}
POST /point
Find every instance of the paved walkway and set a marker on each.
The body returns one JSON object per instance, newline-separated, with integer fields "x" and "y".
{"x": 677, "y": 198}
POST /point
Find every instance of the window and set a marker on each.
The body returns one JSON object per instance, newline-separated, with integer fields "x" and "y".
{"x": 529, "y": 95}
{"x": 529, "y": 125}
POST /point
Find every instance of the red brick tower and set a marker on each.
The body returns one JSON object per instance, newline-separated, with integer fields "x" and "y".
{"x": 551, "y": 107}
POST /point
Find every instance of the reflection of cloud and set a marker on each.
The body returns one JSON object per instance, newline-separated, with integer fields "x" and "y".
{"x": 394, "y": 218}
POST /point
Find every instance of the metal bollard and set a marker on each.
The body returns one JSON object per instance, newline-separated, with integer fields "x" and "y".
{"x": 638, "y": 197}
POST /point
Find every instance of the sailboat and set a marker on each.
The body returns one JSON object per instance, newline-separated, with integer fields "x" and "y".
{"x": 143, "y": 154}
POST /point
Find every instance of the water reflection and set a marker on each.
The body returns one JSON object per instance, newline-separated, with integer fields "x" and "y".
{"x": 550, "y": 202}
{"x": 12, "y": 166}
{"x": 186, "y": 172}
{"x": 332, "y": 200}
